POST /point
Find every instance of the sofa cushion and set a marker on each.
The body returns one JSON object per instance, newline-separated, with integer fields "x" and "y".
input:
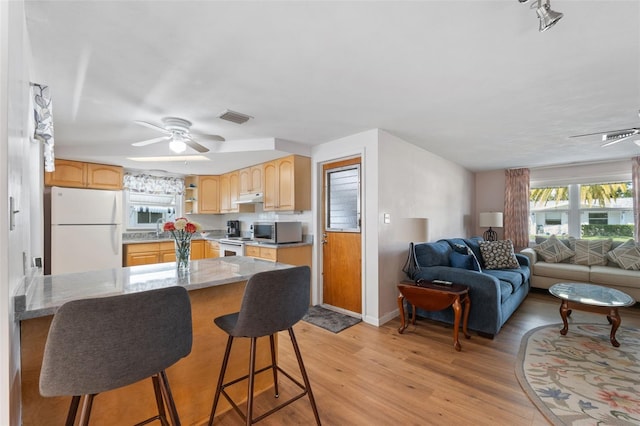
{"x": 512, "y": 276}
{"x": 433, "y": 254}
{"x": 464, "y": 261}
{"x": 498, "y": 255}
{"x": 590, "y": 252}
{"x": 562, "y": 271}
{"x": 608, "y": 276}
{"x": 626, "y": 255}
{"x": 553, "y": 250}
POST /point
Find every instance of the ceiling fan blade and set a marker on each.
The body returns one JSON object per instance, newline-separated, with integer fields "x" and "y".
{"x": 195, "y": 145}
{"x": 603, "y": 133}
{"x": 209, "y": 137}
{"x": 150, "y": 141}
{"x": 152, "y": 126}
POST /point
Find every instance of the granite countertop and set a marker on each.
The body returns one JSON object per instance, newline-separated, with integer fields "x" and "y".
{"x": 43, "y": 295}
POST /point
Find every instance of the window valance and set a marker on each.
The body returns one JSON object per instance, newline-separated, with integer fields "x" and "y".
{"x": 150, "y": 184}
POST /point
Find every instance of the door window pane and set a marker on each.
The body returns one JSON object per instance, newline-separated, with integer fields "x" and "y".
{"x": 343, "y": 198}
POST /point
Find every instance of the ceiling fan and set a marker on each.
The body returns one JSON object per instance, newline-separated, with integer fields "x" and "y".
{"x": 614, "y": 136}
{"x": 176, "y": 131}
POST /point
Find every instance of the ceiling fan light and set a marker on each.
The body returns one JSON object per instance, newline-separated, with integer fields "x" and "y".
{"x": 548, "y": 17}
{"x": 177, "y": 146}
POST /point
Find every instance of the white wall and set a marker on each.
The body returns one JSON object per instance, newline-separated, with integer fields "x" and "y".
{"x": 489, "y": 198}
{"x": 426, "y": 197}
{"x": 16, "y": 181}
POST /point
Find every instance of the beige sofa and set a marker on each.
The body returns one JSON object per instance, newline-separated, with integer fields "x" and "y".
{"x": 545, "y": 274}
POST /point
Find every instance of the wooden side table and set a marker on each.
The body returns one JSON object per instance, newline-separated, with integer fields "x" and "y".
{"x": 436, "y": 297}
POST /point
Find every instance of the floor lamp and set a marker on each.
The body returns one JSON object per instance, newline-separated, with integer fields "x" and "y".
{"x": 490, "y": 220}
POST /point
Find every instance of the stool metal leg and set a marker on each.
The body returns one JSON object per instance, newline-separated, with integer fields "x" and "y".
{"x": 159, "y": 401}
{"x": 303, "y": 371}
{"x": 252, "y": 373}
{"x": 73, "y": 410}
{"x": 223, "y": 370}
{"x": 168, "y": 396}
{"x": 86, "y": 409}
{"x": 274, "y": 365}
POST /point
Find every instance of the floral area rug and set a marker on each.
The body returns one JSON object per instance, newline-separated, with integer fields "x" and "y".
{"x": 580, "y": 378}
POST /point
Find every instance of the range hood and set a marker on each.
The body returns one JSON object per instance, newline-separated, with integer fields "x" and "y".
{"x": 253, "y": 198}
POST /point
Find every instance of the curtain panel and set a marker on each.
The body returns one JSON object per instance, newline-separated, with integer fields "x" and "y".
{"x": 43, "y": 122}
{"x": 516, "y": 207}
{"x": 635, "y": 182}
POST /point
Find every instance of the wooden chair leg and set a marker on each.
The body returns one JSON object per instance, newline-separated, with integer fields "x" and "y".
{"x": 73, "y": 411}
{"x": 223, "y": 370}
{"x": 86, "y": 409}
{"x": 252, "y": 373}
{"x": 305, "y": 378}
{"x": 274, "y": 365}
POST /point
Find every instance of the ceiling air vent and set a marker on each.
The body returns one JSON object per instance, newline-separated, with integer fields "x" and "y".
{"x": 234, "y": 117}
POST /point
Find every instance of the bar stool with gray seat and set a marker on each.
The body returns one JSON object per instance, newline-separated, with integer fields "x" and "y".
{"x": 100, "y": 344}
{"x": 273, "y": 301}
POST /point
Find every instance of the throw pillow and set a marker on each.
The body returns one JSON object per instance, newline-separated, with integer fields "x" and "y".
{"x": 553, "y": 250}
{"x": 498, "y": 255}
{"x": 626, "y": 255}
{"x": 590, "y": 252}
{"x": 464, "y": 261}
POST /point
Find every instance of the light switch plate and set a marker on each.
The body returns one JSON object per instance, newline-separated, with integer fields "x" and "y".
{"x": 387, "y": 218}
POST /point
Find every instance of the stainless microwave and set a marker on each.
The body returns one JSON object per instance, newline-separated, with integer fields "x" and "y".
{"x": 277, "y": 232}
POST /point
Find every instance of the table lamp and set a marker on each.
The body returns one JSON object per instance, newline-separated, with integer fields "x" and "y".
{"x": 490, "y": 219}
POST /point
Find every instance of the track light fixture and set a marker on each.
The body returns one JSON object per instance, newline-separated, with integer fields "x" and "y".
{"x": 548, "y": 17}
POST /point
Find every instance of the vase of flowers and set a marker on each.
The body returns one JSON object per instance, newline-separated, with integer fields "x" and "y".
{"x": 182, "y": 230}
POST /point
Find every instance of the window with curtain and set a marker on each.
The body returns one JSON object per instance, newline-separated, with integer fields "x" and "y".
{"x": 596, "y": 210}
{"x": 152, "y": 200}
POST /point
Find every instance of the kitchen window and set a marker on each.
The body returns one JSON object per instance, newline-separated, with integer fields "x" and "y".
{"x": 145, "y": 211}
{"x": 151, "y": 200}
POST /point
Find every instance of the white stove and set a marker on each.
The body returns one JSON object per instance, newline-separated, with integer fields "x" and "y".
{"x": 233, "y": 246}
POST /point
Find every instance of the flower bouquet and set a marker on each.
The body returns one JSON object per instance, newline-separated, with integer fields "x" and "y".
{"x": 182, "y": 230}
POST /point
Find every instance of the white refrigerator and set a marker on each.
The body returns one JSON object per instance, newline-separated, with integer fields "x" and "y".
{"x": 86, "y": 230}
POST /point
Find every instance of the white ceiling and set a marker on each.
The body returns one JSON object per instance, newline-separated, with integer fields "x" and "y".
{"x": 471, "y": 81}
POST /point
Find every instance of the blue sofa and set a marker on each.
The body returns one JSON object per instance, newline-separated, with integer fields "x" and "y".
{"x": 495, "y": 294}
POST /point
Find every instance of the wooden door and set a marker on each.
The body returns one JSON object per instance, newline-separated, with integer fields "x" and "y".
{"x": 342, "y": 246}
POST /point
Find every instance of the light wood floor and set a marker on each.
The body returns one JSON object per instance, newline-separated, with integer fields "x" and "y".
{"x": 370, "y": 375}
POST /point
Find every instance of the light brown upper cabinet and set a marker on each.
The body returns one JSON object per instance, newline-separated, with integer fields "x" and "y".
{"x": 78, "y": 174}
{"x": 287, "y": 184}
{"x": 251, "y": 179}
{"x": 202, "y": 194}
{"x": 230, "y": 192}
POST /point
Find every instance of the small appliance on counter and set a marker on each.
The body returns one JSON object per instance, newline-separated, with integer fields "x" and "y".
{"x": 233, "y": 228}
{"x": 277, "y": 232}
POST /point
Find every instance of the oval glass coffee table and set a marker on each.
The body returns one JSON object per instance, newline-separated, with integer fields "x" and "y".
{"x": 592, "y": 298}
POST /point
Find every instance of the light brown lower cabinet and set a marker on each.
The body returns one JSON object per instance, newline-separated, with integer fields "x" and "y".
{"x": 160, "y": 252}
{"x": 298, "y": 255}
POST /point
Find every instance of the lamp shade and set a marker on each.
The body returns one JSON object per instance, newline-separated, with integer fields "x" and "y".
{"x": 491, "y": 220}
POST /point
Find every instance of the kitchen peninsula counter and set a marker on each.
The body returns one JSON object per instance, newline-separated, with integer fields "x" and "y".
{"x": 216, "y": 287}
